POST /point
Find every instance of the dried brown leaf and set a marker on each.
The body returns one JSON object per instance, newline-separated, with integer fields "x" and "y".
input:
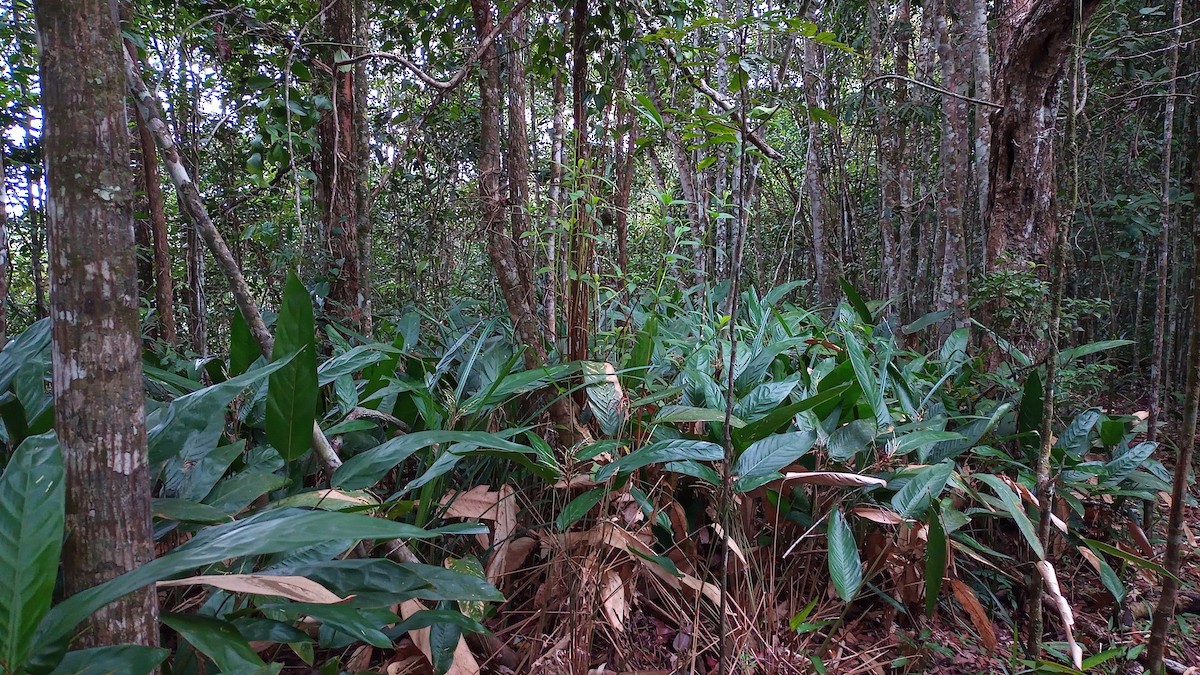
{"x": 983, "y": 624}
{"x": 300, "y": 589}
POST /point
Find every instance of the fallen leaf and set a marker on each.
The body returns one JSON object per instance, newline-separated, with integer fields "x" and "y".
{"x": 300, "y": 589}
{"x": 983, "y": 624}
{"x": 878, "y": 514}
{"x": 613, "y": 600}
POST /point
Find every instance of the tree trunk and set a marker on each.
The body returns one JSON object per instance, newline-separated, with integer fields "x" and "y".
{"x": 518, "y": 171}
{"x": 362, "y": 167}
{"x": 160, "y": 245}
{"x": 96, "y": 348}
{"x": 581, "y": 240}
{"x": 36, "y": 242}
{"x": 1162, "y": 269}
{"x": 339, "y": 172}
{"x": 824, "y": 270}
{"x": 952, "y": 289}
{"x": 1033, "y": 40}
{"x": 554, "y": 207}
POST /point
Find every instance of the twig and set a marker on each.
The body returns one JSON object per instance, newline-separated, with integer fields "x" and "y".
{"x": 932, "y": 87}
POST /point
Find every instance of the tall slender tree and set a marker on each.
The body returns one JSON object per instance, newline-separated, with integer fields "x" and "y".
{"x": 98, "y": 397}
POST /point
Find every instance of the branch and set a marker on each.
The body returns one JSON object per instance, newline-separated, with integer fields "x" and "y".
{"x": 463, "y": 71}
{"x": 715, "y": 96}
{"x": 944, "y": 92}
{"x": 189, "y": 196}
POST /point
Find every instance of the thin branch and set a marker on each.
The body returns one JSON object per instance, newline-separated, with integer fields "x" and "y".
{"x": 944, "y": 92}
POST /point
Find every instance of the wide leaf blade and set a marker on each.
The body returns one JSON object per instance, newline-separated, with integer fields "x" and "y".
{"x": 292, "y": 390}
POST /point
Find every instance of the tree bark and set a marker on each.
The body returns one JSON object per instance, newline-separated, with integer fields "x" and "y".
{"x": 160, "y": 245}
{"x": 953, "y": 157}
{"x": 339, "y": 172}
{"x": 554, "y": 208}
{"x": 581, "y": 249}
{"x": 1033, "y": 40}
{"x": 96, "y": 352}
{"x": 824, "y": 269}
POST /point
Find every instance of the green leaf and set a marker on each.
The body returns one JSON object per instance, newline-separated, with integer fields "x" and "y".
{"x": 762, "y": 399}
{"x": 1119, "y": 467}
{"x": 643, "y": 352}
{"x": 1068, "y": 355}
{"x": 1129, "y": 558}
{"x": 866, "y": 380}
{"x": 192, "y": 425}
{"x": 243, "y": 349}
{"x": 1012, "y": 503}
{"x": 185, "y": 511}
{"x": 356, "y": 360}
{"x": 578, "y": 508}
{"x": 771, "y": 454}
{"x": 118, "y": 660}
{"x": 845, "y": 567}
{"x": 271, "y": 531}
{"x": 935, "y": 562}
{"x": 685, "y": 413}
{"x": 292, "y": 390}
{"x": 32, "y": 508}
{"x": 1076, "y": 438}
{"x": 661, "y": 452}
{"x": 971, "y": 433}
{"x": 847, "y": 441}
{"x": 443, "y": 640}
{"x": 218, "y": 640}
{"x": 431, "y": 617}
{"x": 366, "y": 468}
{"x": 782, "y": 415}
{"x": 398, "y": 581}
{"x": 924, "y": 441}
{"x": 1109, "y": 578}
{"x": 604, "y": 397}
{"x": 913, "y": 499}
{"x": 1029, "y": 418}
{"x": 24, "y": 348}
{"x": 688, "y": 467}
{"x": 856, "y": 301}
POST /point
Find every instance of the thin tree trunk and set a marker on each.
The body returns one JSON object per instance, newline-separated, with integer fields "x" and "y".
{"x": 554, "y": 207}
{"x": 36, "y": 242}
{"x": 5, "y": 267}
{"x": 96, "y": 352}
{"x": 581, "y": 242}
{"x": 1162, "y": 269}
{"x": 518, "y": 169}
{"x": 952, "y": 289}
{"x": 164, "y": 292}
{"x": 1164, "y": 612}
{"x": 824, "y": 271}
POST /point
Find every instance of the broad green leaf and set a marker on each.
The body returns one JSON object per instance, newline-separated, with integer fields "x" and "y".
{"x": 363, "y": 624}
{"x": 771, "y": 454}
{"x": 634, "y": 370}
{"x": 292, "y": 390}
{"x": 971, "y": 434}
{"x": 471, "y": 566}
{"x": 1075, "y": 439}
{"x": 682, "y": 413}
{"x": 1128, "y": 557}
{"x": 847, "y": 441}
{"x": 243, "y": 349}
{"x": 756, "y": 368}
{"x": 845, "y": 566}
{"x": 218, "y": 640}
{"x": 662, "y": 452}
{"x": 1109, "y": 578}
{"x": 1012, "y": 503}
{"x": 954, "y": 349}
{"x": 924, "y": 440}
{"x": 192, "y": 425}
{"x": 914, "y": 498}
{"x": 867, "y": 381}
{"x": 856, "y": 301}
{"x": 605, "y": 397}
{"x": 366, "y": 468}
{"x": 443, "y": 640}
{"x": 1068, "y": 355}
{"x": 32, "y": 512}
{"x": 782, "y": 415}
{"x": 185, "y": 511}
{"x": 578, "y": 508}
{"x": 118, "y": 660}
{"x": 1119, "y": 467}
{"x": 356, "y": 360}
{"x": 398, "y": 581}
{"x": 762, "y": 399}
{"x": 1029, "y": 418}
{"x": 430, "y": 617}
{"x": 935, "y": 562}
{"x": 24, "y": 348}
{"x": 695, "y": 469}
{"x": 271, "y": 531}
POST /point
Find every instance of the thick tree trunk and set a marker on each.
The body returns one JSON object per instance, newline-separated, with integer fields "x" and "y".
{"x": 1033, "y": 40}
{"x": 518, "y": 169}
{"x": 96, "y": 348}
{"x": 581, "y": 249}
{"x": 339, "y": 172}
